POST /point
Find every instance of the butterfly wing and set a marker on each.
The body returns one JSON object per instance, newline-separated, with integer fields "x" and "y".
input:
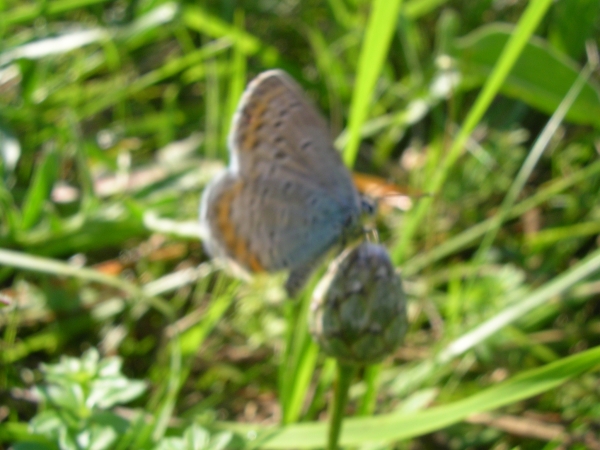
{"x": 286, "y": 197}
{"x": 276, "y": 126}
{"x": 271, "y": 224}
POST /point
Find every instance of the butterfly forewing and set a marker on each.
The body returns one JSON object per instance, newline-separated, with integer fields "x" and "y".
{"x": 277, "y": 127}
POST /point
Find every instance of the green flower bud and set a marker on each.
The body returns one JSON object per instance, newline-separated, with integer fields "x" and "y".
{"x": 358, "y": 309}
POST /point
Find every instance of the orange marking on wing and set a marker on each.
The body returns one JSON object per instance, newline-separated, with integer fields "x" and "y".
{"x": 255, "y": 265}
{"x": 255, "y": 112}
{"x": 223, "y": 208}
{"x": 236, "y": 246}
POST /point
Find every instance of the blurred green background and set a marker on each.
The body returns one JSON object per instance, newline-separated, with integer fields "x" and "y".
{"x": 114, "y": 115}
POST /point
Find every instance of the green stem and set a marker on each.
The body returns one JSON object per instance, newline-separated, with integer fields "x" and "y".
{"x": 345, "y": 375}
{"x": 371, "y": 379}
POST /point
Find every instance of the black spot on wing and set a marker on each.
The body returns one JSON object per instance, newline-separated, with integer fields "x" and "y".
{"x": 305, "y": 145}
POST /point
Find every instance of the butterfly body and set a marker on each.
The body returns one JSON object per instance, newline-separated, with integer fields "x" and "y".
{"x": 286, "y": 197}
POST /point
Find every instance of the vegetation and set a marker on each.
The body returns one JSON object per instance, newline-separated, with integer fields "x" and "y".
{"x": 117, "y": 332}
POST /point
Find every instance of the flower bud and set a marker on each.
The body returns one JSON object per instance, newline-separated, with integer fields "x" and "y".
{"x": 358, "y": 309}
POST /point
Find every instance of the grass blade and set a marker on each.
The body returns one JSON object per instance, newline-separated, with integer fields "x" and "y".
{"x": 395, "y": 427}
{"x": 39, "y": 190}
{"x": 378, "y": 36}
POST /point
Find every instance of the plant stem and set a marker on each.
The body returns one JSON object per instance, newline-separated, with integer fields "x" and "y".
{"x": 346, "y": 373}
{"x": 371, "y": 379}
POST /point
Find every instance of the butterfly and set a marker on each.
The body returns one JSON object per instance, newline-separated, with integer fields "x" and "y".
{"x": 286, "y": 197}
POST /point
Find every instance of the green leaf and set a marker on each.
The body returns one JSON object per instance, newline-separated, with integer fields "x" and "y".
{"x": 114, "y": 391}
{"x": 573, "y": 24}
{"x": 47, "y": 423}
{"x": 220, "y": 441}
{"x": 97, "y": 437}
{"x": 69, "y": 397}
{"x": 529, "y": 79}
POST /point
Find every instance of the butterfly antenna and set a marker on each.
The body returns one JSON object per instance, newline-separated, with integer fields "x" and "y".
{"x": 371, "y": 234}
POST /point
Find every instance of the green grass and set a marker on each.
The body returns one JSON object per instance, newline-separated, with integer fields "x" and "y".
{"x": 487, "y": 112}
